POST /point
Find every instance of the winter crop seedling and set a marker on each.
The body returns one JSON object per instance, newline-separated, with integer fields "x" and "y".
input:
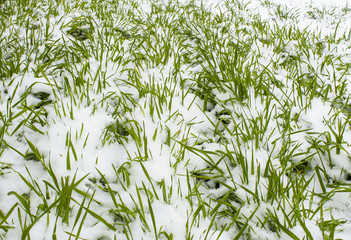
{"x": 174, "y": 120}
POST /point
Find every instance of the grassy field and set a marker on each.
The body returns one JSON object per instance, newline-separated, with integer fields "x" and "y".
{"x": 132, "y": 119}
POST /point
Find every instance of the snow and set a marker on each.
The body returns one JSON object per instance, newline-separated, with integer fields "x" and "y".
{"x": 72, "y": 144}
{"x": 317, "y": 3}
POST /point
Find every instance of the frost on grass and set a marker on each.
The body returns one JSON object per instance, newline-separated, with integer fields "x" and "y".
{"x": 174, "y": 120}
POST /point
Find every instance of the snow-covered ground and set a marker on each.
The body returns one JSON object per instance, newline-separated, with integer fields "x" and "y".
{"x": 175, "y": 120}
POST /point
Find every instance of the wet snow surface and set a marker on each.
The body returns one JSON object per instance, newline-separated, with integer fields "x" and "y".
{"x": 128, "y": 136}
